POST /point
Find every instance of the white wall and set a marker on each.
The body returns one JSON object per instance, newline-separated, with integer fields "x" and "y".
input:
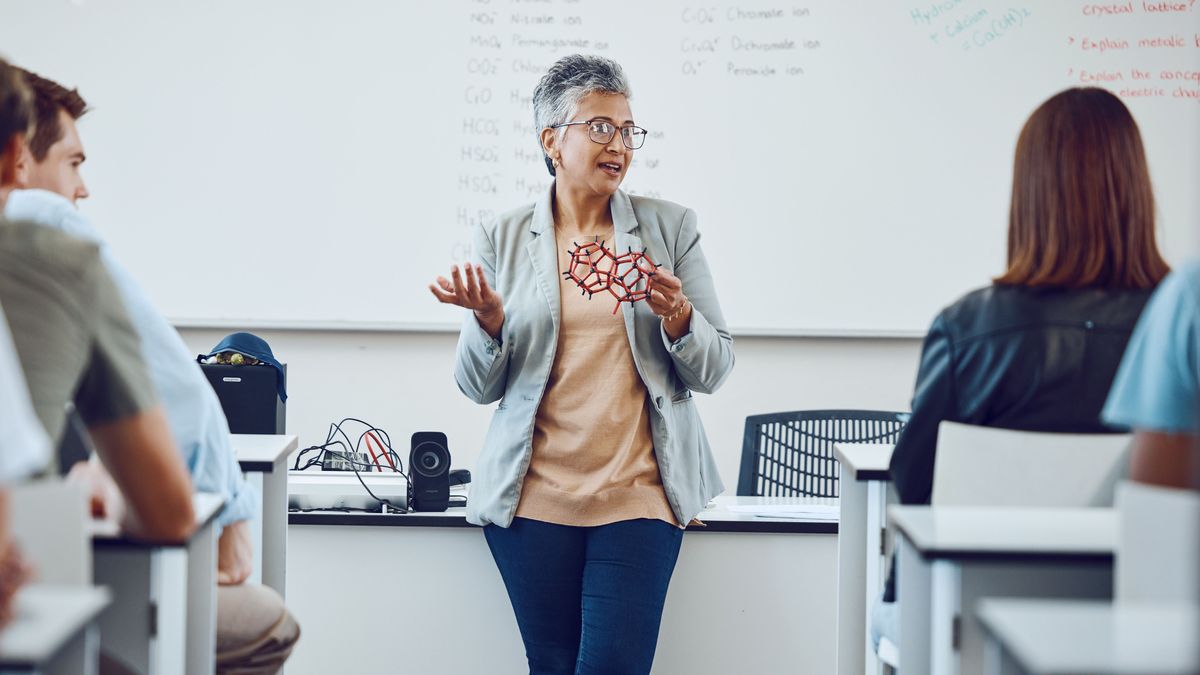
{"x": 403, "y": 382}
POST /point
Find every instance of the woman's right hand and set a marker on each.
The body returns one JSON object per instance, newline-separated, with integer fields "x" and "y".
{"x": 472, "y": 293}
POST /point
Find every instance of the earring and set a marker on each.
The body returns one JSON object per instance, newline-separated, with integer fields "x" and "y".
{"x": 557, "y": 162}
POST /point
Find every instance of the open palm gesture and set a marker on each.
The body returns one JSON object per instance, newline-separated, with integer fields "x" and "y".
{"x": 470, "y": 290}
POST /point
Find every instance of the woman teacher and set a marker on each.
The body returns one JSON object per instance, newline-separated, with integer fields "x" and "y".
{"x": 595, "y": 460}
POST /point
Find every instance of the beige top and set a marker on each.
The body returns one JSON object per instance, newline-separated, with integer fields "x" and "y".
{"x": 593, "y": 455}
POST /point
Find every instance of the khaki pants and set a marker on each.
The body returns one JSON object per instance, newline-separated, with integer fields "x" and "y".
{"x": 255, "y": 632}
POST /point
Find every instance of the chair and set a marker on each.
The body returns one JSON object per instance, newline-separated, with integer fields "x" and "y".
{"x": 1158, "y": 547}
{"x": 48, "y": 520}
{"x": 790, "y": 454}
{"x": 987, "y": 466}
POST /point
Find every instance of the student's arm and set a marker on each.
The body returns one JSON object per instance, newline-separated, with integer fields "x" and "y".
{"x": 15, "y": 572}
{"x": 139, "y": 453}
{"x": 117, "y": 401}
{"x": 235, "y": 550}
{"x": 235, "y": 554}
{"x": 1166, "y": 459}
{"x": 911, "y": 465}
{"x": 1156, "y": 391}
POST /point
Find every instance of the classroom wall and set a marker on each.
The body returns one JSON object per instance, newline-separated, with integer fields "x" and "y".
{"x": 403, "y": 382}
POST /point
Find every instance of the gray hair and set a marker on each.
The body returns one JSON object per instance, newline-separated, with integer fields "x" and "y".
{"x": 556, "y": 97}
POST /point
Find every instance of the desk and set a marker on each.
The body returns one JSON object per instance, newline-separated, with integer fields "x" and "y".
{"x": 1063, "y": 637}
{"x": 860, "y": 550}
{"x": 53, "y": 630}
{"x": 164, "y": 615}
{"x": 265, "y": 457}
{"x": 949, "y": 557}
{"x": 420, "y": 593}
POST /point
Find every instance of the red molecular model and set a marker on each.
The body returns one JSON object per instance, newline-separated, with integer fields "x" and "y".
{"x": 628, "y": 278}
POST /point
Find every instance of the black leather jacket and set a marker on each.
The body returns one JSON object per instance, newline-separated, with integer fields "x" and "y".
{"x": 1017, "y": 358}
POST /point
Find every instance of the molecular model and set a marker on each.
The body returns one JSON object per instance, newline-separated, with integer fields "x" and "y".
{"x": 628, "y": 278}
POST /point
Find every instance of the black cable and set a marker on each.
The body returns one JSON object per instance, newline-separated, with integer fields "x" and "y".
{"x": 402, "y": 509}
{"x": 350, "y": 453}
{"x": 382, "y": 436}
{"x": 353, "y": 466}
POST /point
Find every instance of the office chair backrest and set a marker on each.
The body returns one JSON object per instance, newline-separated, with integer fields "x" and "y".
{"x": 986, "y": 466}
{"x": 790, "y": 454}
{"x": 49, "y": 523}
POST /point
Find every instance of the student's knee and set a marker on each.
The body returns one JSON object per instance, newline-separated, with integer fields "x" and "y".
{"x": 255, "y": 631}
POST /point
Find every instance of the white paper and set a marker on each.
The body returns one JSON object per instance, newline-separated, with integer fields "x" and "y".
{"x": 789, "y": 511}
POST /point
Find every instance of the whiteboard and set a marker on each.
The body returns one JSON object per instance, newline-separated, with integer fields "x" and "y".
{"x": 315, "y": 164}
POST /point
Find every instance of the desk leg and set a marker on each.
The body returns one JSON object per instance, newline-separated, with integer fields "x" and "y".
{"x": 1048, "y": 579}
{"x": 945, "y": 605}
{"x": 852, "y": 531}
{"x": 202, "y": 602}
{"x": 80, "y": 656}
{"x": 255, "y": 480}
{"x": 914, "y": 578}
{"x": 873, "y": 556}
{"x": 169, "y": 591}
{"x": 127, "y": 627}
{"x": 997, "y": 661}
{"x": 274, "y": 526}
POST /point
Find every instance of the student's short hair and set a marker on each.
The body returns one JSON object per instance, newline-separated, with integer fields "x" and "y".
{"x": 1082, "y": 210}
{"x": 16, "y": 104}
{"x": 48, "y": 98}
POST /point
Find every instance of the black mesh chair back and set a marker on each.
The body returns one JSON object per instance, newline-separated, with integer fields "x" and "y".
{"x": 790, "y": 454}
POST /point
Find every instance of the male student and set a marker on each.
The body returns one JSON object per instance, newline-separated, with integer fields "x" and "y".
{"x": 1157, "y": 388}
{"x": 1157, "y": 394}
{"x": 255, "y": 632}
{"x": 76, "y": 344}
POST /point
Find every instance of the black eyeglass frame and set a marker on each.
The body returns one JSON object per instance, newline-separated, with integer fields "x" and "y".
{"x": 624, "y": 140}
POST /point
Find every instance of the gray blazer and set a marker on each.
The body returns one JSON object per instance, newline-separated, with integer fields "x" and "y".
{"x": 520, "y": 259}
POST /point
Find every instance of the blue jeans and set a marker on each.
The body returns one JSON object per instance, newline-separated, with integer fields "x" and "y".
{"x": 587, "y": 599}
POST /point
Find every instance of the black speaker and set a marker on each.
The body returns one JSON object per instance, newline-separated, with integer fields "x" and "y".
{"x": 249, "y": 396}
{"x": 429, "y": 466}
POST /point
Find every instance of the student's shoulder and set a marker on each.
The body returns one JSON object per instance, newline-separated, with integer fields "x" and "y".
{"x": 28, "y": 243}
{"x": 39, "y": 206}
{"x": 1181, "y": 288}
{"x": 1003, "y": 312}
{"x": 988, "y": 312}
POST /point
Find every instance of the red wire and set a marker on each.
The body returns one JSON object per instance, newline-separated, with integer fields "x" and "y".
{"x": 386, "y": 455}
{"x": 382, "y": 451}
{"x": 374, "y": 457}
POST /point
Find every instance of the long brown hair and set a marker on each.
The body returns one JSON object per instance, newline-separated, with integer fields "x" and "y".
{"x": 1082, "y": 210}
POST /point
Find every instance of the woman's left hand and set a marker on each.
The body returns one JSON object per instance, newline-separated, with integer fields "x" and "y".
{"x": 668, "y": 301}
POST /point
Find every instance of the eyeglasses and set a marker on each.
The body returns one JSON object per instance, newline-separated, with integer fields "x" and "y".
{"x": 602, "y": 131}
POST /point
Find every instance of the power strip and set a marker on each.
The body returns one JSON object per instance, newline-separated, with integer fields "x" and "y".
{"x": 338, "y": 460}
{"x": 341, "y": 490}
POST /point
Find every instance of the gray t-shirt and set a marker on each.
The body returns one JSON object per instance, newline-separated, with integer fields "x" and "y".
{"x": 70, "y": 328}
